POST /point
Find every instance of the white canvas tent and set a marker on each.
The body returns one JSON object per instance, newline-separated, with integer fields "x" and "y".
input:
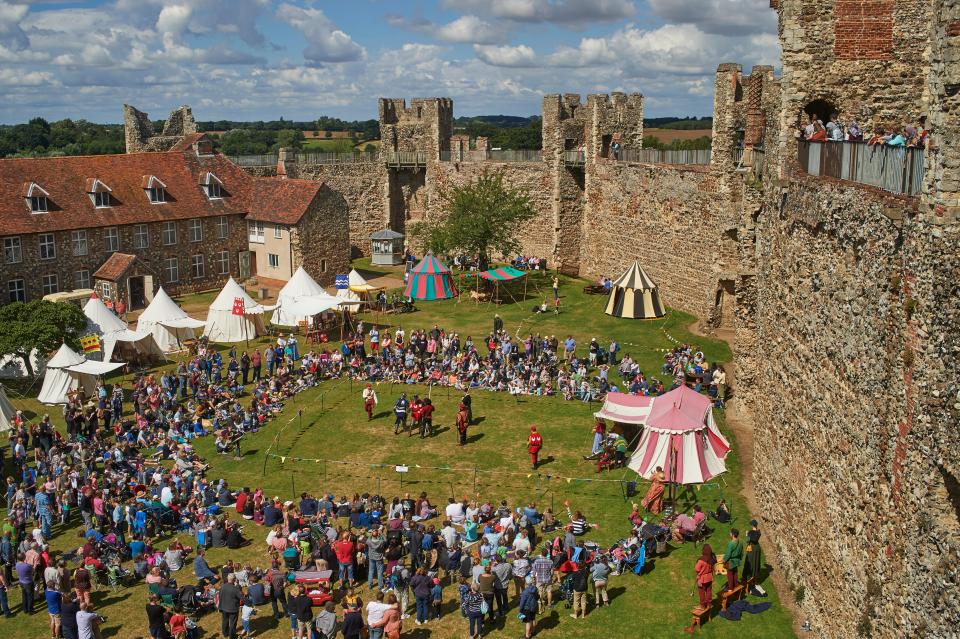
{"x": 7, "y": 412}
{"x": 344, "y": 296}
{"x": 67, "y": 371}
{"x": 168, "y": 323}
{"x": 300, "y": 299}
{"x": 223, "y": 326}
{"x": 359, "y": 285}
{"x": 113, "y": 330}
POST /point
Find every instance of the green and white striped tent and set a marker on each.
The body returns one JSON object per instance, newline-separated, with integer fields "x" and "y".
{"x": 634, "y": 295}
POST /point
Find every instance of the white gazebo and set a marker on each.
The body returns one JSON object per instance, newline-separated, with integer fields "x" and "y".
{"x": 168, "y": 323}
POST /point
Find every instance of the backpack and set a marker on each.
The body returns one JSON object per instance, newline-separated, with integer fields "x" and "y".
{"x": 427, "y": 543}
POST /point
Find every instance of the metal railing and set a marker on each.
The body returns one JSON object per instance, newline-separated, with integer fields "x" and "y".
{"x": 267, "y": 159}
{"x": 664, "y": 156}
{"x": 492, "y": 155}
{"x": 897, "y": 170}
{"x": 336, "y": 158}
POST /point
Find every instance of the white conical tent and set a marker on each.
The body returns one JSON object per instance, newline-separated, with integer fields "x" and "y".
{"x": 168, "y": 323}
{"x": 359, "y": 285}
{"x": 112, "y": 329}
{"x": 67, "y": 371}
{"x": 223, "y": 326}
{"x": 300, "y": 299}
{"x": 7, "y": 411}
{"x": 634, "y": 296}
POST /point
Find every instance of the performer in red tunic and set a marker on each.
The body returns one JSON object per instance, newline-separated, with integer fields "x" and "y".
{"x": 534, "y": 444}
{"x": 463, "y": 421}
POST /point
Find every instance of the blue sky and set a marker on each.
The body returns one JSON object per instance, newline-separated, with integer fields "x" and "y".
{"x": 263, "y": 59}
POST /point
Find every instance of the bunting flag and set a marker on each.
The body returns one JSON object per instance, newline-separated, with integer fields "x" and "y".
{"x": 238, "y": 306}
{"x": 90, "y": 343}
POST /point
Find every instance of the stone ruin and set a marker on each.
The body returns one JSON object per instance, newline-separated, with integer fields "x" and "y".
{"x": 140, "y": 135}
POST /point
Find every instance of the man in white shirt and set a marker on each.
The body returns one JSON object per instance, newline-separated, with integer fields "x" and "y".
{"x": 522, "y": 542}
{"x": 449, "y": 534}
{"x": 375, "y": 610}
{"x": 454, "y": 511}
{"x": 88, "y": 622}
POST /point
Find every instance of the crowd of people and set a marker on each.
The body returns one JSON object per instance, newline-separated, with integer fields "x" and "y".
{"x": 127, "y": 470}
{"x": 913, "y": 135}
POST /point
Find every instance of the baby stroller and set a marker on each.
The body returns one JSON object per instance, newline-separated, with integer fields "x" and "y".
{"x": 566, "y": 591}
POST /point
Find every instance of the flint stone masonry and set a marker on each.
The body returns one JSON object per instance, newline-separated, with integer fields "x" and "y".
{"x": 139, "y": 133}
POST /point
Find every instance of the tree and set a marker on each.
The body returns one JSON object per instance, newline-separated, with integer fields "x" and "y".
{"x": 481, "y": 218}
{"x": 39, "y": 324}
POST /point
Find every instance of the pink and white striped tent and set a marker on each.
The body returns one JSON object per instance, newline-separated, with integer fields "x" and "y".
{"x": 681, "y": 421}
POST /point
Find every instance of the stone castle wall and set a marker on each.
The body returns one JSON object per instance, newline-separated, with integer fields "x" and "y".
{"x": 139, "y": 133}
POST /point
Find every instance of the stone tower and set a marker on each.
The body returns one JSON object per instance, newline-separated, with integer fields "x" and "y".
{"x": 140, "y": 135}
{"x": 424, "y": 127}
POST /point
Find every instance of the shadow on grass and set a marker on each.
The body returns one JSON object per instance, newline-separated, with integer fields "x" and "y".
{"x": 475, "y": 437}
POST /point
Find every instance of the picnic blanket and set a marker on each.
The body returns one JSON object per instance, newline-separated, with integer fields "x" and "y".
{"x": 736, "y": 609}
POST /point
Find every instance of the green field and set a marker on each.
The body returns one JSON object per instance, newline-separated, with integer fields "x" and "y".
{"x": 331, "y": 446}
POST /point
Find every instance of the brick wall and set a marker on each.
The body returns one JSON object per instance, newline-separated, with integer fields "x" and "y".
{"x": 863, "y": 29}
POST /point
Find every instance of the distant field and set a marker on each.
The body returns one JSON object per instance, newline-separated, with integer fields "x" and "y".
{"x": 669, "y": 135}
{"x": 332, "y": 145}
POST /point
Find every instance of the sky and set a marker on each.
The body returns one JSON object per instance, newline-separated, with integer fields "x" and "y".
{"x": 299, "y": 59}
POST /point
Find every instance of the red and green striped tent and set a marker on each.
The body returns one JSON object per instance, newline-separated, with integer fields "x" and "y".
{"x": 430, "y": 280}
{"x": 502, "y": 274}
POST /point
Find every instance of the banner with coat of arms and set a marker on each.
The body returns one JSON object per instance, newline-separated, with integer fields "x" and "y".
{"x": 90, "y": 343}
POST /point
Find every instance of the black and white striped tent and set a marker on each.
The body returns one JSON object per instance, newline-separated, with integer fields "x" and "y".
{"x": 635, "y": 296}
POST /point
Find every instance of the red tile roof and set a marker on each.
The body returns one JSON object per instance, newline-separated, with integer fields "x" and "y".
{"x": 281, "y": 201}
{"x": 115, "y": 266}
{"x": 65, "y": 179}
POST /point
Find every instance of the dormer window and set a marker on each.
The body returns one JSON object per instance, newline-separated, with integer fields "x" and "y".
{"x": 36, "y": 198}
{"x": 99, "y": 193}
{"x": 155, "y": 189}
{"x": 212, "y": 186}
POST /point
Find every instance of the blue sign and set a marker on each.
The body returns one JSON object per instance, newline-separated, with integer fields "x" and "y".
{"x": 342, "y": 282}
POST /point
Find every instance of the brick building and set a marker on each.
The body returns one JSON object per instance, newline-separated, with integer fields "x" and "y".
{"x": 136, "y": 221}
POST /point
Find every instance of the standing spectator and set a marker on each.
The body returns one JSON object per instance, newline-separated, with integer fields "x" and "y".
{"x": 521, "y": 570}
{"x": 732, "y": 556}
{"x": 326, "y": 622}
{"x": 156, "y": 618}
{"x": 421, "y": 585}
{"x": 600, "y": 572}
{"x": 436, "y": 594}
{"x": 486, "y": 582}
{"x": 68, "y": 616}
{"x": 375, "y": 610}
{"x": 542, "y": 570}
{"x": 4, "y": 601}
{"x": 390, "y": 623}
{"x": 256, "y": 362}
{"x": 245, "y": 367}
{"x": 502, "y": 572}
{"x": 270, "y": 363}
{"x": 556, "y": 287}
{"x": 473, "y": 607}
{"x": 54, "y": 600}
{"x": 352, "y": 622}
{"x": 25, "y": 577}
{"x": 580, "y": 582}
{"x": 529, "y": 605}
{"x": 301, "y": 610}
{"x": 375, "y": 547}
{"x": 88, "y": 622}
{"x": 345, "y": 549}
{"x": 230, "y": 601}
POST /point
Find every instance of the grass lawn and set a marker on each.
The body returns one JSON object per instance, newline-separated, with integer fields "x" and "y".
{"x": 332, "y": 447}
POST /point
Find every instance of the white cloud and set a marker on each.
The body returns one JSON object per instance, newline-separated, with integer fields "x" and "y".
{"x": 13, "y": 77}
{"x": 467, "y": 29}
{"x": 722, "y": 17}
{"x": 507, "y": 56}
{"x": 173, "y": 18}
{"x": 325, "y": 41}
{"x": 575, "y": 13}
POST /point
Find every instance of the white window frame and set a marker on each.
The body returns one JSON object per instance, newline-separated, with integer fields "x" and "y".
{"x": 157, "y": 195}
{"x": 50, "y": 284}
{"x": 197, "y": 267}
{"x": 101, "y": 200}
{"x": 79, "y": 243}
{"x": 52, "y": 254}
{"x": 195, "y": 230}
{"x": 12, "y": 247}
{"x": 273, "y": 260}
{"x": 14, "y": 287}
{"x": 39, "y": 204}
{"x": 223, "y": 263}
{"x": 141, "y": 236}
{"x": 111, "y": 239}
{"x": 277, "y": 231}
{"x": 171, "y": 265}
{"x": 213, "y": 187}
{"x": 223, "y": 227}
{"x": 81, "y": 279}
{"x": 255, "y": 232}
{"x": 168, "y": 228}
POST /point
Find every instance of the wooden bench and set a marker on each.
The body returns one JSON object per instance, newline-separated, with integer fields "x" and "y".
{"x": 727, "y": 595}
{"x": 700, "y": 615}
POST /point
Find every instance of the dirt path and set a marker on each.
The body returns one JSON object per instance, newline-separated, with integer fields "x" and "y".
{"x": 740, "y": 423}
